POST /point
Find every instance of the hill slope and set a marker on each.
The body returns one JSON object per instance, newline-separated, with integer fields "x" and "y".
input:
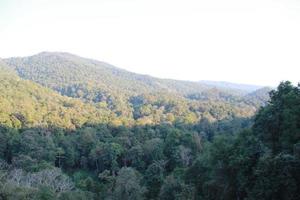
{"x": 59, "y": 71}
{"x": 132, "y": 97}
{"x": 162, "y": 161}
{"x": 93, "y": 80}
{"x": 24, "y": 103}
{"x": 234, "y": 86}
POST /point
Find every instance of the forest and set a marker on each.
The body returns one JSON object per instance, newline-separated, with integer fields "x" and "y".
{"x": 73, "y": 128}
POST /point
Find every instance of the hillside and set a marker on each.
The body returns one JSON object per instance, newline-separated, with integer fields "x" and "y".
{"x": 234, "y": 86}
{"x": 74, "y": 128}
{"x": 75, "y": 76}
{"x": 24, "y": 104}
{"x": 132, "y": 97}
{"x": 60, "y": 71}
{"x": 45, "y": 155}
{"x": 29, "y": 104}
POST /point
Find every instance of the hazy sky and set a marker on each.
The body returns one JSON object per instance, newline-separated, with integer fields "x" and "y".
{"x": 253, "y": 41}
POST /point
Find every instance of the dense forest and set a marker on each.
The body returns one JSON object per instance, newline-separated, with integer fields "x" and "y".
{"x": 75, "y": 128}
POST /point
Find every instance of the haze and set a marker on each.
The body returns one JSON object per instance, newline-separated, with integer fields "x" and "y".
{"x": 254, "y": 42}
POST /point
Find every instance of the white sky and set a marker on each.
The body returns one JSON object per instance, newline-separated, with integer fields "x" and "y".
{"x": 253, "y": 41}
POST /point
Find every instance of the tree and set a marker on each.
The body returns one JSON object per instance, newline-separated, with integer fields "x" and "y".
{"x": 45, "y": 193}
{"x": 174, "y": 189}
{"x": 154, "y": 177}
{"x": 153, "y": 150}
{"x": 277, "y": 124}
{"x": 128, "y": 185}
{"x": 277, "y": 178}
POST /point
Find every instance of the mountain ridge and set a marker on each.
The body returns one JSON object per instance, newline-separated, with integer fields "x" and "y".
{"x": 129, "y": 97}
{"x": 238, "y": 86}
{"x": 155, "y": 83}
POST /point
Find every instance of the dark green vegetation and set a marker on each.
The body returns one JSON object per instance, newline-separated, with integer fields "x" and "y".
{"x": 82, "y": 129}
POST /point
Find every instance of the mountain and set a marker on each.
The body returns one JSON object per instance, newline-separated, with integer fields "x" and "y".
{"x": 246, "y": 88}
{"x": 259, "y": 97}
{"x": 71, "y": 75}
{"x": 78, "y": 77}
{"x": 75, "y": 128}
{"x": 62, "y": 70}
{"x": 131, "y": 97}
{"x": 24, "y": 103}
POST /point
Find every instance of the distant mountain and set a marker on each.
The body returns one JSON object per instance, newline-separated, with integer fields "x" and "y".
{"x": 65, "y": 72}
{"x": 60, "y": 70}
{"x": 228, "y": 85}
{"x": 259, "y": 97}
{"x": 24, "y": 104}
{"x": 4, "y": 67}
{"x": 132, "y": 98}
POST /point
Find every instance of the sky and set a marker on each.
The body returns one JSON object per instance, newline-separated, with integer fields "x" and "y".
{"x": 243, "y": 41}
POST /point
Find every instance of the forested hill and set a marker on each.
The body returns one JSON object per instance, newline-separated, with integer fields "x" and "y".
{"x": 66, "y": 91}
{"x": 25, "y": 104}
{"x": 62, "y": 70}
{"x": 208, "y": 161}
{"x": 235, "y": 86}
{"x": 75, "y": 76}
{"x": 75, "y": 128}
{"x": 134, "y": 98}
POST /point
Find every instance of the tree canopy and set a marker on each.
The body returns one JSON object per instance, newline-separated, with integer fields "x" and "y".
{"x": 57, "y": 142}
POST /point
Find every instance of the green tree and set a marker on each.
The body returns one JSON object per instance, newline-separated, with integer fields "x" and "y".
{"x": 128, "y": 185}
{"x": 174, "y": 189}
{"x": 277, "y": 178}
{"x": 277, "y": 124}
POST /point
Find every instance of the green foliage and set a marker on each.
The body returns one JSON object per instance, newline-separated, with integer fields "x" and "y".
{"x": 261, "y": 163}
{"x": 277, "y": 124}
{"x": 129, "y": 98}
{"x": 26, "y": 104}
{"x": 277, "y": 178}
{"x": 174, "y": 188}
{"x": 120, "y": 135}
{"x": 128, "y": 186}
